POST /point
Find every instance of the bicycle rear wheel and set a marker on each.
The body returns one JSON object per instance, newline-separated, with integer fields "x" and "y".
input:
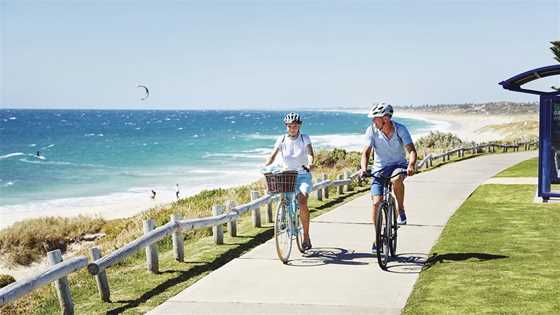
{"x": 381, "y": 239}
{"x": 394, "y": 227}
{"x": 282, "y": 237}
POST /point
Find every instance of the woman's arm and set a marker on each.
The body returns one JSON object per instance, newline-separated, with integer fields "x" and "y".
{"x": 310, "y": 155}
{"x": 272, "y": 157}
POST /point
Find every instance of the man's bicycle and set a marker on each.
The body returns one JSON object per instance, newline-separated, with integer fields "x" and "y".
{"x": 287, "y": 225}
{"x": 386, "y": 220}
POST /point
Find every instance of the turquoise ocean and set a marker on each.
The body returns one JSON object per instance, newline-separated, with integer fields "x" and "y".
{"x": 66, "y": 158}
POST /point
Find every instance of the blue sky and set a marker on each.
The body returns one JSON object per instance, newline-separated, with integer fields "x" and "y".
{"x": 268, "y": 54}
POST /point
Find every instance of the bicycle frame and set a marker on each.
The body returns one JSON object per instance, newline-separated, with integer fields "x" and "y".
{"x": 387, "y": 244}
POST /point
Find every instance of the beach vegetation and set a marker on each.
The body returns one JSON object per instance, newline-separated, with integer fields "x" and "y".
{"x": 489, "y": 108}
{"x": 518, "y": 131}
{"x": 437, "y": 141}
{"x": 5, "y": 280}
{"x": 29, "y": 240}
{"x": 338, "y": 159}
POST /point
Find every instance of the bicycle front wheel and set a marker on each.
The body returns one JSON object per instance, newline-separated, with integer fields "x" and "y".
{"x": 282, "y": 234}
{"x": 381, "y": 237}
{"x": 394, "y": 226}
{"x": 298, "y": 227}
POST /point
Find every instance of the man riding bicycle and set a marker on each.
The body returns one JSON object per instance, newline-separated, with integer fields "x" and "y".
{"x": 388, "y": 140}
{"x": 297, "y": 155}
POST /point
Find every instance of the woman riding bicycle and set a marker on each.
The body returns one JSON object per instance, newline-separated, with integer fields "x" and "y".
{"x": 297, "y": 155}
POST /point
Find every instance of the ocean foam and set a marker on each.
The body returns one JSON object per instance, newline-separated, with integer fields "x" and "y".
{"x": 260, "y": 136}
{"x": 352, "y": 142}
{"x": 7, "y": 156}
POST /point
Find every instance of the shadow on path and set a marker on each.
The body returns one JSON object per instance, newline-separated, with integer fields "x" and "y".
{"x": 442, "y": 258}
{"x": 327, "y": 255}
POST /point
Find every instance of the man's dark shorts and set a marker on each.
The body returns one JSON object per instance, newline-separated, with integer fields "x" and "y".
{"x": 377, "y": 186}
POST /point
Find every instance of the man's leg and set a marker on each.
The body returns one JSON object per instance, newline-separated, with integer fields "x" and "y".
{"x": 304, "y": 215}
{"x": 398, "y": 190}
{"x": 376, "y": 202}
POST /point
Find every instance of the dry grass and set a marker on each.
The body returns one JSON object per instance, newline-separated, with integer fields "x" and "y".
{"x": 518, "y": 130}
{"x": 27, "y": 241}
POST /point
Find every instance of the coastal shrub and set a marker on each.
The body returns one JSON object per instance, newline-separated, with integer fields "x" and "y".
{"x": 438, "y": 141}
{"x": 337, "y": 158}
{"x": 27, "y": 241}
{"x": 5, "y": 280}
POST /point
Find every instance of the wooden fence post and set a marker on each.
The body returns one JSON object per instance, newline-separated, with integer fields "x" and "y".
{"x": 326, "y": 189}
{"x": 152, "y": 261}
{"x": 178, "y": 240}
{"x": 257, "y": 211}
{"x": 218, "y": 230}
{"x": 340, "y": 187}
{"x": 61, "y": 285}
{"x": 231, "y": 225}
{"x": 101, "y": 277}
{"x": 269, "y": 212}
{"x": 349, "y": 186}
{"x": 319, "y": 191}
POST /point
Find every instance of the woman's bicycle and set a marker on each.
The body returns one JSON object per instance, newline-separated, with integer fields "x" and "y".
{"x": 287, "y": 225}
{"x": 386, "y": 220}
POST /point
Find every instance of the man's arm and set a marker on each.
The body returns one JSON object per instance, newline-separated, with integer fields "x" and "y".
{"x": 366, "y": 153}
{"x": 411, "y": 149}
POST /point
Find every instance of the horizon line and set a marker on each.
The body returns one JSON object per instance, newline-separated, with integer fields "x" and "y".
{"x": 272, "y": 109}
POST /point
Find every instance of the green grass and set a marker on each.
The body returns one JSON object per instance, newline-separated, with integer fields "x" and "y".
{"x": 498, "y": 254}
{"x": 135, "y": 291}
{"x": 528, "y": 168}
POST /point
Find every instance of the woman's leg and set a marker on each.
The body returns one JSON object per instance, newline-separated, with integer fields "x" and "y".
{"x": 304, "y": 215}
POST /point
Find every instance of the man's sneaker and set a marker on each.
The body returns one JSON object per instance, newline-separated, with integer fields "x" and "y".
{"x": 374, "y": 249}
{"x": 401, "y": 220}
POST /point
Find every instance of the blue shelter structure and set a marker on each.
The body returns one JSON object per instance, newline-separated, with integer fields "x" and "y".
{"x": 549, "y": 126}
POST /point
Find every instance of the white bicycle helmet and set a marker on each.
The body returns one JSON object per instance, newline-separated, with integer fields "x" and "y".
{"x": 380, "y": 110}
{"x": 291, "y": 118}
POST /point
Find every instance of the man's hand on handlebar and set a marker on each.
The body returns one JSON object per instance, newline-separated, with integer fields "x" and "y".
{"x": 410, "y": 170}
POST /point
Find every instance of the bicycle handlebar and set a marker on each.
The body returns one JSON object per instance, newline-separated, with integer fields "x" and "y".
{"x": 376, "y": 174}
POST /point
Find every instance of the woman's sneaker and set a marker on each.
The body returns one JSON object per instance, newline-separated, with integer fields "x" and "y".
{"x": 401, "y": 220}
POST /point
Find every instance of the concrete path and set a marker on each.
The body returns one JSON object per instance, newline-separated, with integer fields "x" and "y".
{"x": 340, "y": 275}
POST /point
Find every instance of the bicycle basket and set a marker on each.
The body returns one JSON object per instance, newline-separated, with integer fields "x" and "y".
{"x": 281, "y": 182}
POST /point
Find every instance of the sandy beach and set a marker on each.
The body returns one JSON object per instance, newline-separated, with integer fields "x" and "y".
{"x": 117, "y": 205}
{"x": 468, "y": 127}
